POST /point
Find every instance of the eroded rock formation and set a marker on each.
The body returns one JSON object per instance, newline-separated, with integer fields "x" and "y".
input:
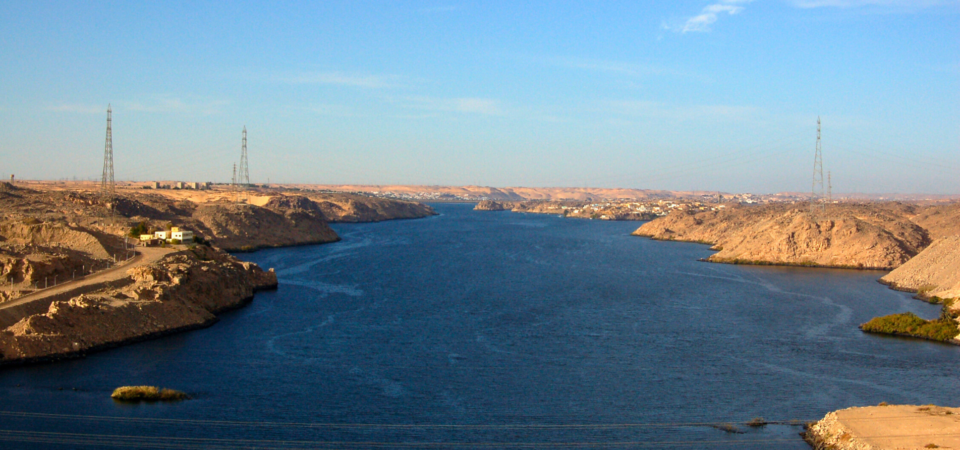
{"x": 185, "y": 290}
{"x": 874, "y": 236}
{"x": 934, "y": 272}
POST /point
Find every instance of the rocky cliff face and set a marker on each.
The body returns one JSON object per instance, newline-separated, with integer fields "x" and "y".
{"x": 935, "y": 272}
{"x": 492, "y": 205}
{"x": 183, "y": 291}
{"x": 283, "y": 221}
{"x": 356, "y": 208}
{"x": 860, "y": 236}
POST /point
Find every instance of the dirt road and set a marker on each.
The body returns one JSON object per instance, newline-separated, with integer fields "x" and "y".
{"x": 13, "y": 310}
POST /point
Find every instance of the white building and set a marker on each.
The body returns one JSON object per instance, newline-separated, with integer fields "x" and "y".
{"x": 165, "y": 234}
{"x": 184, "y": 236}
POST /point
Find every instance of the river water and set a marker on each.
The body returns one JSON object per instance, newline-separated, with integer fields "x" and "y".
{"x": 497, "y": 330}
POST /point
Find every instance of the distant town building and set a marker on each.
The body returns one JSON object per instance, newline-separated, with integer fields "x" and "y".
{"x": 162, "y": 234}
{"x": 154, "y": 185}
{"x": 179, "y": 185}
{"x": 11, "y": 178}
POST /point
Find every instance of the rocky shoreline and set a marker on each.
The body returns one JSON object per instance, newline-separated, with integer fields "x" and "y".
{"x": 183, "y": 291}
{"x": 886, "y": 427}
{"x": 875, "y": 236}
{"x": 609, "y": 210}
{"x": 921, "y": 246}
{"x": 46, "y": 236}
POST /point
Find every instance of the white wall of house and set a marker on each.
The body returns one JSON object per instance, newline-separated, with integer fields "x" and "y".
{"x": 183, "y": 236}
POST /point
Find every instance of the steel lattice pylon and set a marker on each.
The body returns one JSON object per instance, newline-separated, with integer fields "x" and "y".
{"x": 244, "y": 178}
{"x": 817, "y": 201}
{"x": 107, "y": 185}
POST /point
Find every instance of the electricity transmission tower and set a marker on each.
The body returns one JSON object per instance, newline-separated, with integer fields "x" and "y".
{"x": 107, "y": 185}
{"x": 235, "y": 183}
{"x": 817, "y": 203}
{"x": 244, "y": 179}
{"x": 829, "y": 187}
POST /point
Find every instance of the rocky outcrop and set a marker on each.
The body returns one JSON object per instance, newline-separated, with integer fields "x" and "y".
{"x": 356, "y": 208}
{"x": 934, "y": 272}
{"x": 886, "y": 427}
{"x": 283, "y": 221}
{"x": 34, "y": 252}
{"x": 492, "y": 205}
{"x": 852, "y": 236}
{"x": 185, "y": 290}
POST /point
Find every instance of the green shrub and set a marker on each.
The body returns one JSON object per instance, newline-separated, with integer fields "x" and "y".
{"x": 146, "y": 393}
{"x": 138, "y": 229}
{"x": 908, "y": 324}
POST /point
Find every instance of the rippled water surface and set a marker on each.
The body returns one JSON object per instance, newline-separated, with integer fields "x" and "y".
{"x": 496, "y": 329}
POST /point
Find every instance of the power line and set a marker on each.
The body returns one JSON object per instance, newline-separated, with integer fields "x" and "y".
{"x": 381, "y": 426}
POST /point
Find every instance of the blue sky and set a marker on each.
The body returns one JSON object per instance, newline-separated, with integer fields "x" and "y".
{"x": 712, "y": 95}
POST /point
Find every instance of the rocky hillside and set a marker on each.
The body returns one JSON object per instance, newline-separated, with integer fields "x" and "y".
{"x": 935, "y": 272}
{"x": 939, "y": 220}
{"x": 358, "y": 208}
{"x": 493, "y": 205}
{"x": 876, "y": 236}
{"x": 283, "y": 221}
{"x": 185, "y": 290}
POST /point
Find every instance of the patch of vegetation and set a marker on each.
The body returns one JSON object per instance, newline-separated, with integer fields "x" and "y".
{"x": 138, "y": 229}
{"x": 942, "y": 329}
{"x": 147, "y": 394}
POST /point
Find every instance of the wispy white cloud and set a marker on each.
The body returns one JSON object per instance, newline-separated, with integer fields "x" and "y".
{"x": 468, "y": 105}
{"x": 338, "y": 78}
{"x": 708, "y": 16}
{"x": 911, "y": 4}
{"x": 335, "y": 110}
{"x": 78, "y": 108}
{"x": 170, "y": 104}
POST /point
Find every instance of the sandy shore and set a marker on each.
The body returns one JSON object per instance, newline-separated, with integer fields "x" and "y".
{"x": 888, "y": 427}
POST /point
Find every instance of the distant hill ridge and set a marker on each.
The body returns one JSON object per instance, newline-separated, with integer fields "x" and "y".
{"x": 854, "y": 235}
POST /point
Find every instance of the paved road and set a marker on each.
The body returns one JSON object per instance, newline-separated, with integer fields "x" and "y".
{"x": 147, "y": 255}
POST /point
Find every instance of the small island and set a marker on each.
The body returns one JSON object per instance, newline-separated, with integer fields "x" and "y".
{"x": 147, "y": 394}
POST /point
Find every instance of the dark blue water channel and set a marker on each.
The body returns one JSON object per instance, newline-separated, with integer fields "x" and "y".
{"x": 497, "y": 330}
